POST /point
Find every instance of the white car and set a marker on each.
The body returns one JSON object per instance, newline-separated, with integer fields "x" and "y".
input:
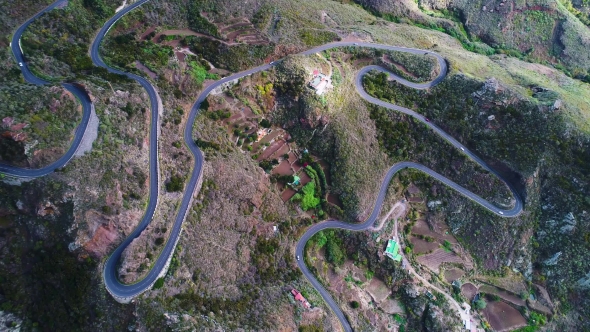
{"x": 356, "y": 44}
{"x": 297, "y": 257}
{"x": 500, "y": 212}
{"x": 20, "y": 64}
{"x": 462, "y": 149}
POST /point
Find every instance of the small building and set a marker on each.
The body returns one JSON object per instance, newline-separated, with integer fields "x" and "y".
{"x": 430, "y": 296}
{"x": 300, "y": 298}
{"x": 262, "y": 132}
{"x": 296, "y": 180}
{"x": 319, "y": 82}
{"x": 392, "y": 251}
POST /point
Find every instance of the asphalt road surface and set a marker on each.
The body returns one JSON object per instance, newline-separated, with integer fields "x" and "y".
{"x": 76, "y": 90}
{"x": 125, "y": 292}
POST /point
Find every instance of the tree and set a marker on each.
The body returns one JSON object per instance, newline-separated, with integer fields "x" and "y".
{"x": 354, "y": 304}
{"x": 481, "y": 303}
{"x": 176, "y": 183}
{"x": 159, "y": 283}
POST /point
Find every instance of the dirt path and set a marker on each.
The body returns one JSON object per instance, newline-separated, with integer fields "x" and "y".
{"x": 465, "y": 314}
{"x": 397, "y": 215}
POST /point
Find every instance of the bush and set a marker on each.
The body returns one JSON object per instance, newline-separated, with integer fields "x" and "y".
{"x": 175, "y": 184}
{"x": 481, "y": 303}
{"x": 159, "y": 283}
{"x": 354, "y": 304}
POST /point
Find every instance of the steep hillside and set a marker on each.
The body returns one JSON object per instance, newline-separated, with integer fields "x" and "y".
{"x": 538, "y": 31}
{"x": 514, "y": 94}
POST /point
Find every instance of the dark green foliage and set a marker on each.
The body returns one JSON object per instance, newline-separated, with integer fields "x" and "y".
{"x": 159, "y": 283}
{"x": 206, "y": 145}
{"x": 233, "y": 58}
{"x": 321, "y": 176}
{"x": 481, "y": 303}
{"x": 125, "y": 49}
{"x": 204, "y": 105}
{"x": 219, "y": 114}
{"x": 197, "y": 22}
{"x": 268, "y": 165}
{"x": 272, "y": 262}
{"x": 175, "y": 184}
{"x": 41, "y": 280}
{"x": 262, "y": 17}
{"x": 354, "y": 305}
{"x": 159, "y": 241}
{"x": 99, "y": 7}
{"x": 317, "y": 37}
{"x": 265, "y": 123}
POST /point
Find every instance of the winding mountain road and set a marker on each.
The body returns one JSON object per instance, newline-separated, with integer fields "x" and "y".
{"x": 126, "y": 292}
{"x": 77, "y": 91}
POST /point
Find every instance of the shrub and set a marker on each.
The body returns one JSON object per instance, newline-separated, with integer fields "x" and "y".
{"x": 481, "y": 303}
{"x": 159, "y": 283}
{"x": 355, "y": 304}
{"x": 175, "y": 184}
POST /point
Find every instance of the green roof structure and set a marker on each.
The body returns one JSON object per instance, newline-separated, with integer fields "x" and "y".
{"x": 296, "y": 180}
{"x": 392, "y": 251}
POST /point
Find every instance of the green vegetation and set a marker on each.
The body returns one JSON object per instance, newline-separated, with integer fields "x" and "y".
{"x": 307, "y": 196}
{"x": 447, "y": 246}
{"x": 125, "y": 49}
{"x": 317, "y": 37}
{"x": 197, "y": 22}
{"x": 354, "y": 305}
{"x": 233, "y": 58}
{"x": 481, "y": 303}
{"x": 175, "y": 184}
{"x": 199, "y": 73}
{"x": 159, "y": 283}
{"x": 415, "y": 68}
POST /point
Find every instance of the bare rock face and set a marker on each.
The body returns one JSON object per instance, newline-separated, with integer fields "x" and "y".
{"x": 103, "y": 231}
{"x": 47, "y": 209}
{"x": 435, "y": 4}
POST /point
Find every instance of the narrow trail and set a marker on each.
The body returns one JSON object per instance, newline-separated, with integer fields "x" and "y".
{"x": 126, "y": 292}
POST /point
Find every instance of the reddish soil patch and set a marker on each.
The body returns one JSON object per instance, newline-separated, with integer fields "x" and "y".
{"x": 103, "y": 237}
{"x": 503, "y": 317}
{"x": 284, "y": 168}
{"x": 332, "y": 198}
{"x": 296, "y": 165}
{"x": 292, "y": 157}
{"x": 274, "y": 147}
{"x": 284, "y": 150}
{"x": 147, "y": 32}
{"x": 469, "y": 290}
{"x": 505, "y": 295}
{"x": 145, "y": 69}
{"x": 274, "y": 134}
{"x": 180, "y": 56}
{"x": 453, "y": 274}
{"x": 304, "y": 178}
{"x": 422, "y": 246}
{"x": 287, "y": 194}
{"x": 439, "y": 256}
{"x": 422, "y": 228}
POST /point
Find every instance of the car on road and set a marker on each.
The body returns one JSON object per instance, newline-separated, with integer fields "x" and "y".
{"x": 500, "y": 212}
{"x": 426, "y": 119}
{"x": 20, "y": 64}
{"x": 462, "y": 149}
{"x": 298, "y": 258}
{"x": 356, "y": 44}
